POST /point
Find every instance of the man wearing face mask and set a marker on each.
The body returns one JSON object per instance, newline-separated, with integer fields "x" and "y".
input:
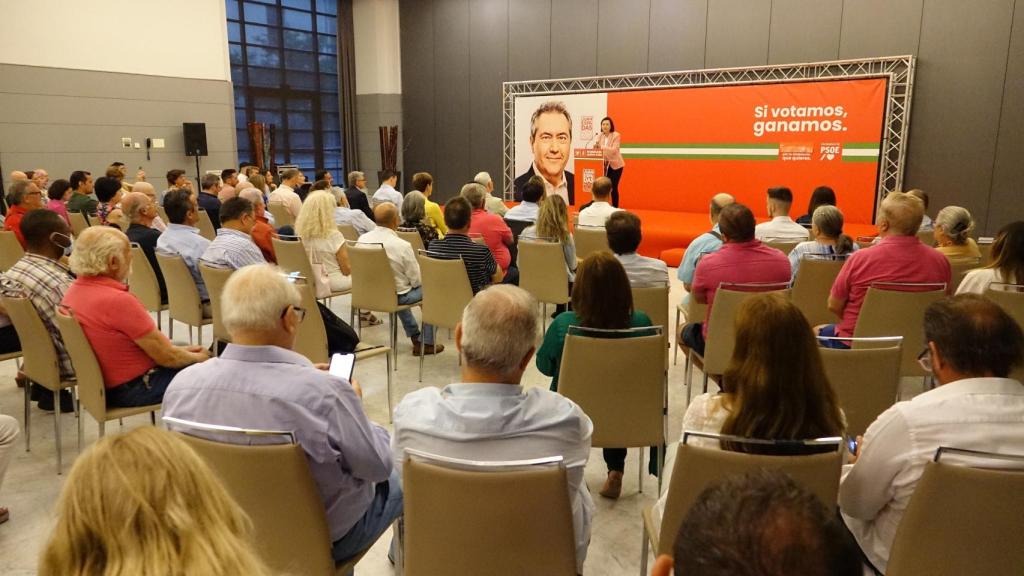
{"x": 41, "y": 277}
{"x": 136, "y": 359}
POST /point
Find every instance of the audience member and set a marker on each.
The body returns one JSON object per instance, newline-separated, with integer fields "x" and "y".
{"x": 137, "y": 360}
{"x": 140, "y": 211}
{"x": 356, "y": 193}
{"x": 489, "y": 415}
{"x": 495, "y": 232}
{"x": 821, "y": 196}
{"x": 260, "y": 183}
{"x": 387, "y": 192}
{"x": 926, "y": 222}
{"x": 245, "y": 170}
{"x": 269, "y": 180}
{"x": 109, "y": 193}
{"x": 81, "y": 193}
{"x": 207, "y": 198}
{"x": 553, "y": 224}
{"x": 147, "y": 189}
{"x": 17, "y": 175}
{"x": 742, "y": 259}
{"x": 973, "y": 347}
{"x": 145, "y": 503}
{"x": 899, "y": 257}
{"x": 8, "y": 434}
{"x": 601, "y": 298}
{"x": 424, "y": 183}
{"x": 345, "y": 214}
{"x": 233, "y": 247}
{"x": 624, "y": 236}
{"x": 23, "y": 196}
{"x": 829, "y": 240}
{"x": 58, "y": 194}
{"x": 41, "y": 178}
{"x": 953, "y": 226}
{"x": 40, "y": 276}
{"x": 493, "y": 203}
{"x": 229, "y": 185}
{"x": 781, "y": 227}
{"x": 176, "y": 179}
{"x": 597, "y": 213}
{"x": 182, "y": 238}
{"x": 285, "y": 193}
{"x": 259, "y": 382}
{"x": 415, "y": 219}
{"x": 481, "y": 267}
{"x": 117, "y": 172}
{"x": 760, "y": 523}
{"x": 406, "y": 270}
{"x": 1007, "y": 266}
{"x": 706, "y": 243}
{"x": 336, "y": 191}
{"x": 324, "y": 243}
{"x": 528, "y": 209}
{"x": 262, "y": 232}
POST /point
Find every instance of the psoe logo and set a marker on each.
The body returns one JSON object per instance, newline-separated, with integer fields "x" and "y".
{"x": 587, "y": 125}
{"x": 830, "y": 151}
{"x": 588, "y": 179}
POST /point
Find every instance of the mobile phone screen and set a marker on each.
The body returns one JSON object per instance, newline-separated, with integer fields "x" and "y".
{"x": 342, "y": 365}
{"x": 851, "y": 445}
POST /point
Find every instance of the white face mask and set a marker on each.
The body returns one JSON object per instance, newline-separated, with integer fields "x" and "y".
{"x": 63, "y": 238}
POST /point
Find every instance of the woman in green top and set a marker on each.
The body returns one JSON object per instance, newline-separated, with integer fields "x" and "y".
{"x": 601, "y": 298}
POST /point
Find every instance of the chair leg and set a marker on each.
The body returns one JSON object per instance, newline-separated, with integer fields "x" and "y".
{"x": 103, "y": 428}
{"x": 152, "y": 418}
{"x": 78, "y": 417}
{"x": 645, "y": 543}
{"x": 392, "y": 319}
{"x": 705, "y": 382}
{"x": 675, "y": 355}
{"x": 421, "y": 366}
{"x": 640, "y": 470}
{"x": 689, "y": 376}
{"x": 661, "y": 466}
{"x": 170, "y": 327}
{"x": 390, "y": 410}
{"x": 28, "y": 413}
{"x": 544, "y": 317}
{"x": 56, "y": 426}
{"x": 199, "y": 334}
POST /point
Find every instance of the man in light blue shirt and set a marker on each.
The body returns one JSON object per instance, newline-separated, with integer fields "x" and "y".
{"x": 387, "y": 192}
{"x": 233, "y": 247}
{"x": 704, "y": 244}
{"x": 182, "y": 237}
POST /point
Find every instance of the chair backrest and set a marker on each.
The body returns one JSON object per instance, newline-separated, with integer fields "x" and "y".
{"x": 618, "y": 378}
{"x": 985, "y": 538}
{"x": 39, "y": 357}
{"x": 985, "y": 247}
{"x": 311, "y": 336}
{"x": 865, "y": 379}
{"x": 785, "y": 246}
{"x": 163, "y": 214}
{"x": 349, "y": 232}
{"x": 696, "y": 468}
{"x": 812, "y": 285}
{"x": 292, "y": 256}
{"x": 373, "y": 281}
{"x": 412, "y": 237}
{"x": 517, "y": 227}
{"x": 542, "y": 270}
{"x": 459, "y": 516}
{"x": 91, "y": 392}
{"x": 927, "y": 237}
{"x": 273, "y": 485}
{"x": 10, "y": 250}
{"x": 959, "y": 267}
{"x": 721, "y": 325}
{"x": 215, "y": 279}
{"x": 446, "y": 290}
{"x": 1009, "y": 297}
{"x": 590, "y": 239}
{"x": 142, "y": 281}
{"x": 78, "y": 222}
{"x": 183, "y": 301}
{"x": 205, "y": 226}
{"x": 654, "y": 302}
{"x": 282, "y": 217}
{"x": 898, "y": 310}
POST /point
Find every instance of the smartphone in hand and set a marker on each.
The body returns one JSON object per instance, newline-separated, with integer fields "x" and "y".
{"x": 342, "y": 366}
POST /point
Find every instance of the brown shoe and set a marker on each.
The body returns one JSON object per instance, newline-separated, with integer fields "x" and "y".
{"x": 612, "y": 485}
{"x": 5, "y": 515}
{"x": 421, "y": 349}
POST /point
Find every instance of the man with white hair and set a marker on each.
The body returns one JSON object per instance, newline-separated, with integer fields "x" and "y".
{"x": 493, "y": 204}
{"x": 345, "y": 214}
{"x": 262, "y": 232}
{"x": 22, "y": 197}
{"x": 148, "y": 189}
{"x": 136, "y": 359}
{"x": 259, "y": 382}
{"x": 42, "y": 178}
{"x": 489, "y": 415}
{"x": 140, "y": 211}
{"x": 356, "y": 193}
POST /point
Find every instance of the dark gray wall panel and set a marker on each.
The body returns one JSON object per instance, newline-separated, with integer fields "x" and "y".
{"x": 805, "y": 31}
{"x": 488, "y": 68}
{"x": 959, "y": 90}
{"x": 451, "y": 93}
{"x": 1006, "y": 203}
{"x": 529, "y": 40}
{"x": 574, "y": 38}
{"x": 416, "y": 28}
{"x": 880, "y": 28}
{"x": 678, "y": 30}
{"x": 738, "y": 33}
{"x": 623, "y": 28}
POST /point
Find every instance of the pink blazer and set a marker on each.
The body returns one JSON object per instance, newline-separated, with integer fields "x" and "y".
{"x": 609, "y": 146}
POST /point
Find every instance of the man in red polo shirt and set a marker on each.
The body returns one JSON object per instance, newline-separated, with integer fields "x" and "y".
{"x": 742, "y": 259}
{"x": 137, "y": 360}
{"x": 496, "y": 233}
{"x": 23, "y": 196}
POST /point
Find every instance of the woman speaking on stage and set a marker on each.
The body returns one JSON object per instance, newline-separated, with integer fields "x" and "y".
{"x": 609, "y": 141}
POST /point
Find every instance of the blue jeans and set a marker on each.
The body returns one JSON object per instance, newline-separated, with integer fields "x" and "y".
{"x": 412, "y": 329}
{"x": 136, "y": 392}
{"x": 386, "y": 506}
{"x": 829, "y": 331}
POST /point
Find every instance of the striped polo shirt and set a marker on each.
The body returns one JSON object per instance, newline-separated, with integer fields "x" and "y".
{"x": 480, "y": 263}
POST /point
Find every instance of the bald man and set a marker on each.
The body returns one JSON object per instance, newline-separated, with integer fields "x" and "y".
{"x": 148, "y": 189}
{"x": 406, "y": 271}
{"x": 18, "y": 175}
{"x": 140, "y": 212}
{"x": 706, "y": 243}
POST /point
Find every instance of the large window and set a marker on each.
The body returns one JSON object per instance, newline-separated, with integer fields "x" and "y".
{"x": 284, "y": 66}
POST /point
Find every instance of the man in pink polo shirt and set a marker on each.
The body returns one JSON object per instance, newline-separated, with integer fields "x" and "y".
{"x": 137, "y": 360}
{"x": 496, "y": 233}
{"x": 898, "y": 258}
{"x": 742, "y": 260}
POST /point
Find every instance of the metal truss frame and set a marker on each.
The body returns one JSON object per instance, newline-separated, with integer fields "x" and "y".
{"x": 897, "y": 70}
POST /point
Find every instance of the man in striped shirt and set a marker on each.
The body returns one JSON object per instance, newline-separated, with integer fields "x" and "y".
{"x": 233, "y": 247}
{"x": 481, "y": 267}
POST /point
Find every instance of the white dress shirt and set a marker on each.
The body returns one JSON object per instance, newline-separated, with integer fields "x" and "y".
{"x": 644, "y": 272}
{"x": 597, "y": 214}
{"x": 400, "y": 254}
{"x": 984, "y": 414}
{"x": 386, "y": 193}
{"x": 501, "y": 422}
{"x": 780, "y": 229}
{"x": 286, "y": 195}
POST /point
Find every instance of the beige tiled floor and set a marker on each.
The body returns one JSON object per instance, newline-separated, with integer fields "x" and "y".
{"x": 32, "y": 486}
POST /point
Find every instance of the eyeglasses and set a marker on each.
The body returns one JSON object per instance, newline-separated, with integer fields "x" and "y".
{"x": 300, "y": 313}
{"x": 925, "y": 359}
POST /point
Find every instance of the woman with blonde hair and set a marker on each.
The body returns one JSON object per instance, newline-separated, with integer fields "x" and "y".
{"x": 324, "y": 243}
{"x": 553, "y": 224}
{"x": 144, "y": 503}
{"x": 1007, "y": 265}
{"x": 953, "y": 227}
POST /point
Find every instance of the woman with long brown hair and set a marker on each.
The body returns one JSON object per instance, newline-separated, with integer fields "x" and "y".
{"x": 1007, "y": 266}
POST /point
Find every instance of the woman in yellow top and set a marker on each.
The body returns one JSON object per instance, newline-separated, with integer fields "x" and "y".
{"x": 953, "y": 226}
{"x": 424, "y": 182}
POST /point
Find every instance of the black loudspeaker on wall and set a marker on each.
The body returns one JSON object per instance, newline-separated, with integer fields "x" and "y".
{"x": 195, "y": 138}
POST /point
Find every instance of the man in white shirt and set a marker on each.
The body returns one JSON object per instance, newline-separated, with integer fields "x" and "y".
{"x": 600, "y": 209}
{"x": 489, "y": 416}
{"x": 285, "y": 194}
{"x": 973, "y": 346}
{"x": 406, "y": 270}
{"x": 387, "y": 192}
{"x": 493, "y": 204}
{"x": 781, "y": 228}
{"x": 624, "y": 236}
{"x": 527, "y": 210}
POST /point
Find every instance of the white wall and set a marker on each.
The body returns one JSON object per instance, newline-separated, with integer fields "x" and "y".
{"x": 378, "y": 59}
{"x": 177, "y": 38}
